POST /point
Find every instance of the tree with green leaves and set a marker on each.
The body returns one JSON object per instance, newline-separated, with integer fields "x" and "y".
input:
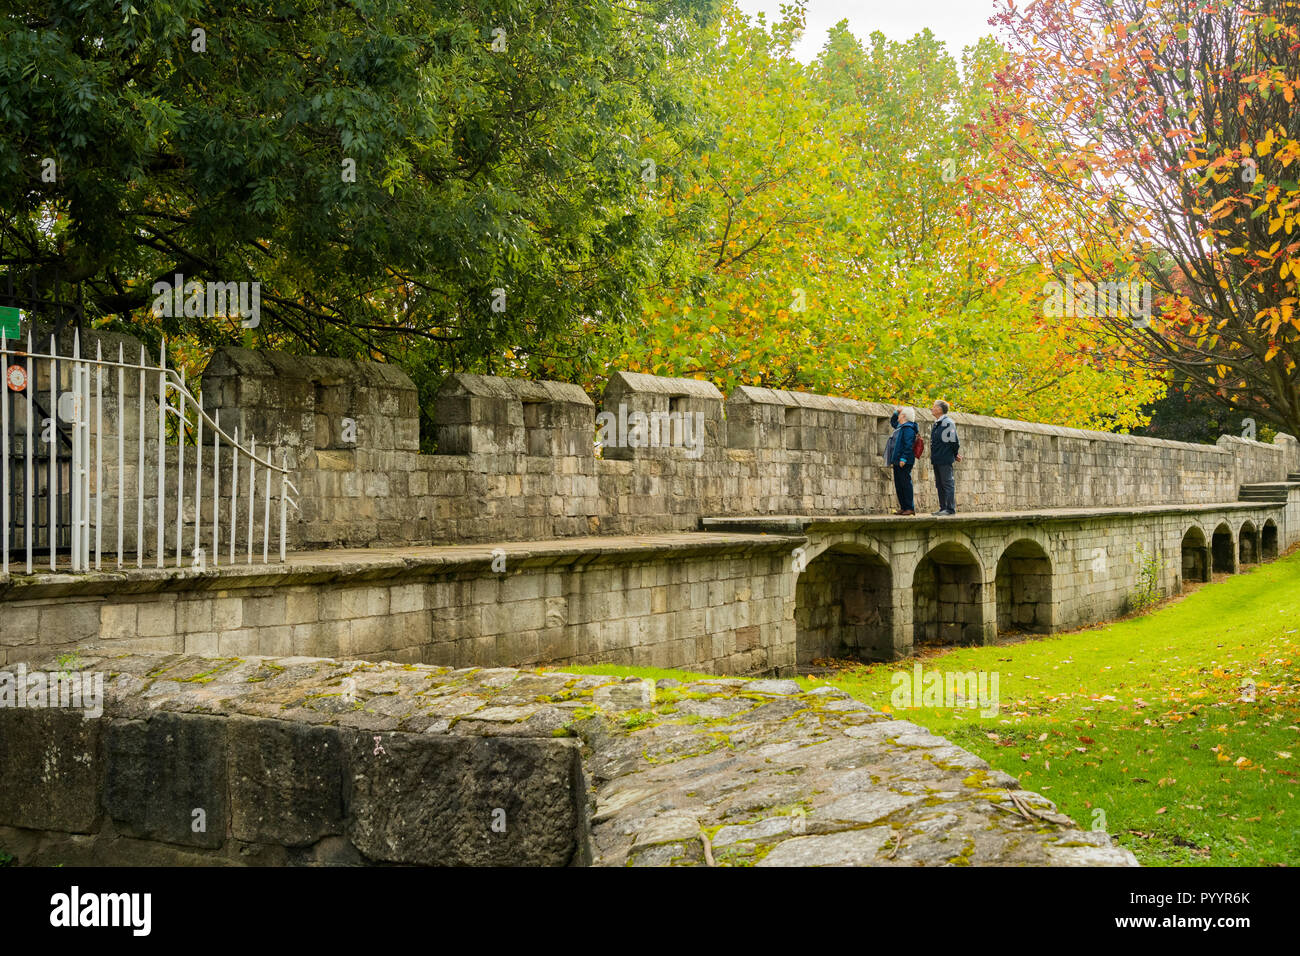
{"x": 445, "y": 185}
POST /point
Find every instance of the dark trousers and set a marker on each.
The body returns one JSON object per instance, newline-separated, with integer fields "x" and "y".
{"x": 903, "y": 487}
{"x": 947, "y": 485}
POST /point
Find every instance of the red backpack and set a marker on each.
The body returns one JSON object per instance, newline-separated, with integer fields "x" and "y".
{"x": 918, "y": 446}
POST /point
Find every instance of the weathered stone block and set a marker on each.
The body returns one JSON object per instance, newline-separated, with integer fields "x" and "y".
{"x": 205, "y": 645}
{"x": 239, "y": 643}
{"x": 68, "y": 623}
{"x": 20, "y": 625}
{"x": 287, "y": 782}
{"x": 227, "y": 613}
{"x": 407, "y": 597}
{"x": 364, "y": 602}
{"x": 194, "y": 615}
{"x": 433, "y": 801}
{"x": 49, "y": 769}
{"x": 157, "y": 772}
{"x": 275, "y": 641}
{"x": 625, "y": 695}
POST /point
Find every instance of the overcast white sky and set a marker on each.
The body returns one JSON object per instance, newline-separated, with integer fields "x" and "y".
{"x": 958, "y": 23}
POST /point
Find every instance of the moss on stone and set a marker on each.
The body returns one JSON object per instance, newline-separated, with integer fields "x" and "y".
{"x": 636, "y": 719}
{"x": 276, "y": 669}
{"x": 205, "y": 677}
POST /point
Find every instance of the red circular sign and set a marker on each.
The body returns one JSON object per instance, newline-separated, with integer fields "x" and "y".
{"x": 16, "y": 377}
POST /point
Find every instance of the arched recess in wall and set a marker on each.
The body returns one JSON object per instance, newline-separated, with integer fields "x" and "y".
{"x": 1222, "y": 550}
{"x": 1268, "y": 541}
{"x": 1196, "y": 556}
{"x": 844, "y": 606}
{"x": 948, "y": 597}
{"x": 1024, "y": 588}
{"x": 1248, "y": 544}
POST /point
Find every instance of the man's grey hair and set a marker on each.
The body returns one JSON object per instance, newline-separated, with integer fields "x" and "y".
{"x": 906, "y": 415}
{"x": 944, "y": 405}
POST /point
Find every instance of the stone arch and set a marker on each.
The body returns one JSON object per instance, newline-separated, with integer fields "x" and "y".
{"x": 819, "y": 544}
{"x": 1268, "y": 541}
{"x": 843, "y": 605}
{"x": 948, "y": 596}
{"x": 1223, "y": 551}
{"x": 1248, "y": 544}
{"x": 907, "y": 562}
{"x": 1024, "y": 588}
{"x": 1196, "y": 556}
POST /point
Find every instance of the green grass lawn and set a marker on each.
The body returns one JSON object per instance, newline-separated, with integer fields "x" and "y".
{"x": 1143, "y": 720}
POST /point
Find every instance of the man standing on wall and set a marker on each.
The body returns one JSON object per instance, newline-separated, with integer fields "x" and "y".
{"x": 901, "y": 453}
{"x": 944, "y": 451}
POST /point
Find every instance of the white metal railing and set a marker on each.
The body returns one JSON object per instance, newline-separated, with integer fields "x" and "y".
{"x": 74, "y": 404}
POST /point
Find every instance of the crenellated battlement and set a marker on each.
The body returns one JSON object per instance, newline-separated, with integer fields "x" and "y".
{"x": 521, "y": 460}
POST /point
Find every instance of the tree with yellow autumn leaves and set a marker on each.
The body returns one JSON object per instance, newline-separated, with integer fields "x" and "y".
{"x": 850, "y": 252}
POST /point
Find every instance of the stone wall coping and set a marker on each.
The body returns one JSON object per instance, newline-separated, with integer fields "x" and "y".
{"x": 272, "y": 364}
{"x": 755, "y": 395}
{"x": 389, "y": 564}
{"x": 521, "y": 389}
{"x": 307, "y": 689}
{"x": 633, "y": 382}
{"x": 749, "y": 394}
{"x": 1238, "y": 440}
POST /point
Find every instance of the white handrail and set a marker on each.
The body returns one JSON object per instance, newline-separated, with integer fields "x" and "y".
{"x": 87, "y": 416}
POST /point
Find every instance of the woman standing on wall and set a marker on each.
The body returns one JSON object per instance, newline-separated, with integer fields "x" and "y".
{"x": 901, "y": 454}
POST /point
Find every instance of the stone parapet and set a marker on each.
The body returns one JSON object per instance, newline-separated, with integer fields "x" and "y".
{"x": 521, "y": 460}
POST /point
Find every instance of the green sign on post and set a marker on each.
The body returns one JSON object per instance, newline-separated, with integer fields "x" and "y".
{"x": 11, "y": 323}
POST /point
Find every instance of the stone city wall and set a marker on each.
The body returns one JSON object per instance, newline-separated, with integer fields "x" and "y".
{"x": 516, "y": 459}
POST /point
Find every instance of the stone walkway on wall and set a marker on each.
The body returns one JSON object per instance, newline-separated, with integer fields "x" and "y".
{"x": 378, "y": 563}
{"x": 716, "y": 533}
{"x": 723, "y": 771}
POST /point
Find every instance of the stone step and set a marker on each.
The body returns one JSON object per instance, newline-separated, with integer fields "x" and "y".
{"x": 1264, "y": 491}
